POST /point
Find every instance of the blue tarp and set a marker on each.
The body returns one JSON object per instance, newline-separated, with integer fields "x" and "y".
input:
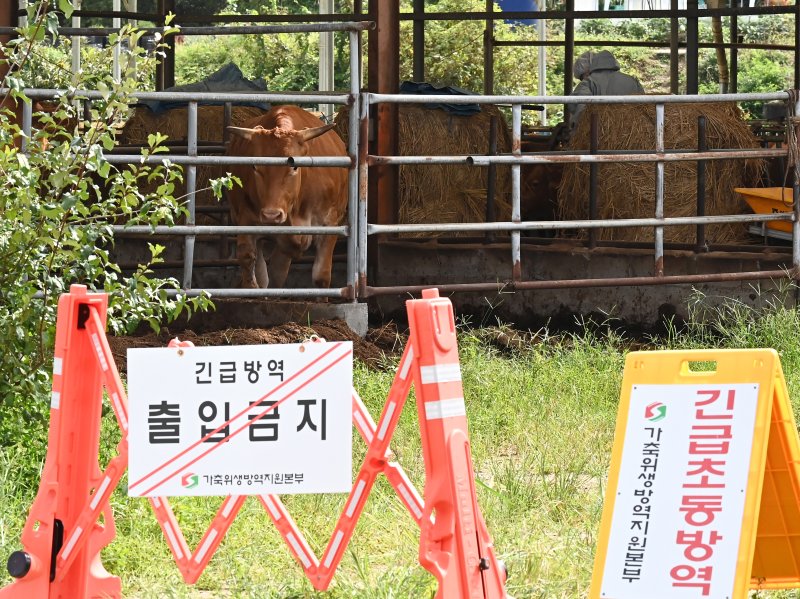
{"x": 228, "y": 79}
{"x": 426, "y": 89}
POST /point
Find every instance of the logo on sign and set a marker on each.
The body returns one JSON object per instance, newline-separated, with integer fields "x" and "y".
{"x": 655, "y": 411}
{"x": 190, "y": 481}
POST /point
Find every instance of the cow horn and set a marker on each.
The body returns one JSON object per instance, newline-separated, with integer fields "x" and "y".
{"x": 243, "y": 132}
{"x": 308, "y": 134}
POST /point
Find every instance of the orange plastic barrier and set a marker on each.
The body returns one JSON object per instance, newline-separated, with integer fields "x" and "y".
{"x": 62, "y": 537}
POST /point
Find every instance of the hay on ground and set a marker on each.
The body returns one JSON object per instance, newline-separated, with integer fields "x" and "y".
{"x": 446, "y": 193}
{"x": 174, "y": 124}
{"x": 627, "y": 190}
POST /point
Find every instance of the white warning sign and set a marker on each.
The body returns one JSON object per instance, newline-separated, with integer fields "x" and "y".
{"x": 240, "y": 420}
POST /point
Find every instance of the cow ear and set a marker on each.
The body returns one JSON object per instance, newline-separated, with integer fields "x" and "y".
{"x": 242, "y": 132}
{"x": 304, "y": 135}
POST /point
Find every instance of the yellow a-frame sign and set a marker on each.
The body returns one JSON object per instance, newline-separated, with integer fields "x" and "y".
{"x": 703, "y": 495}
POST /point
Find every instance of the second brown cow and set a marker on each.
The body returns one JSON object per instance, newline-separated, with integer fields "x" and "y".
{"x": 286, "y": 195}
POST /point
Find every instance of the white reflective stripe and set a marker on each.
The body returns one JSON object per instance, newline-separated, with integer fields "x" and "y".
{"x": 228, "y": 507}
{"x": 351, "y": 507}
{"x": 405, "y": 366}
{"x": 71, "y": 544}
{"x": 337, "y": 540}
{"x": 385, "y": 422}
{"x": 55, "y": 400}
{"x": 99, "y": 493}
{"x": 58, "y": 366}
{"x": 273, "y": 509}
{"x": 446, "y": 408}
{"x": 173, "y": 541}
{"x": 298, "y": 550}
{"x": 410, "y": 501}
{"x": 120, "y": 412}
{"x": 212, "y": 534}
{"x": 363, "y": 426}
{"x": 99, "y": 351}
{"x": 440, "y": 373}
{"x": 156, "y": 501}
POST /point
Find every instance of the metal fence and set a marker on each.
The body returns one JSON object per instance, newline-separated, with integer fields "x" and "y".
{"x": 659, "y": 156}
{"x": 357, "y": 228}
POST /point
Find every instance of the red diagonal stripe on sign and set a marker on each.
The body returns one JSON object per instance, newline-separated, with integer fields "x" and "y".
{"x": 235, "y": 416}
{"x": 243, "y": 427}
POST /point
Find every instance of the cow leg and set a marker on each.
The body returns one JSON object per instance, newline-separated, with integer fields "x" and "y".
{"x": 262, "y": 276}
{"x": 279, "y": 267}
{"x": 247, "y": 255}
{"x": 265, "y": 248}
{"x": 323, "y": 261}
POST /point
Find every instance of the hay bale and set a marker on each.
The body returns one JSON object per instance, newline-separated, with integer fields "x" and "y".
{"x": 174, "y": 124}
{"x": 627, "y": 190}
{"x": 446, "y": 193}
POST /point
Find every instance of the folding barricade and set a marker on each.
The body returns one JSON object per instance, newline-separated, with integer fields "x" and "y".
{"x": 63, "y": 536}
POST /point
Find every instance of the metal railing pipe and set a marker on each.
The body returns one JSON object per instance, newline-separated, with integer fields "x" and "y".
{"x": 204, "y": 230}
{"x": 191, "y": 182}
{"x": 201, "y": 97}
{"x": 343, "y": 161}
{"x": 516, "y": 149}
{"x": 352, "y": 175}
{"x": 479, "y": 160}
{"x": 27, "y": 125}
{"x": 579, "y": 224}
{"x": 637, "y": 99}
{"x": 659, "y": 208}
{"x": 227, "y": 30}
{"x": 263, "y": 292}
{"x": 700, "y": 241}
{"x": 363, "y": 192}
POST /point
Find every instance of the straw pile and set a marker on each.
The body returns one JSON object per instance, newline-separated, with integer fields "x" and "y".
{"x": 446, "y": 193}
{"x": 627, "y": 190}
{"x": 173, "y": 123}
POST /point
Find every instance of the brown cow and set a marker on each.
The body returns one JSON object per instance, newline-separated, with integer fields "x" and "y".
{"x": 286, "y": 195}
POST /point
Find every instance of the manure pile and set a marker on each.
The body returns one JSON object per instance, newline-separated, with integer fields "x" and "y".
{"x": 627, "y": 190}
{"x": 446, "y": 193}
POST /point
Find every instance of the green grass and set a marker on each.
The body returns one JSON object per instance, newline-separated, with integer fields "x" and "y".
{"x": 541, "y": 427}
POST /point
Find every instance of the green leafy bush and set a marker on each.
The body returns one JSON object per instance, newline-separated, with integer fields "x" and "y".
{"x": 58, "y": 201}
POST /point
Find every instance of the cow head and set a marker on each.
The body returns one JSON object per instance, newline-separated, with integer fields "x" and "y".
{"x": 276, "y": 189}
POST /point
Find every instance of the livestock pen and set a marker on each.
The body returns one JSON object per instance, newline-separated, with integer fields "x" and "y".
{"x": 519, "y": 274}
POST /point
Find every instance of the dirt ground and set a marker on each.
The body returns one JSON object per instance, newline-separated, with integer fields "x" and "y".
{"x": 371, "y": 350}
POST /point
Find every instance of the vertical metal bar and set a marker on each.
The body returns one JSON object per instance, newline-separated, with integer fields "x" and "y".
{"x": 569, "y": 49}
{"x": 541, "y": 27}
{"x": 674, "y": 55}
{"x": 516, "y": 149}
{"x": 227, "y": 116}
{"x": 418, "y": 40}
{"x": 700, "y": 244}
{"x": 23, "y": 20}
{"x": 352, "y": 175}
{"x": 491, "y": 179}
{"x": 692, "y": 40}
{"x": 169, "y": 50}
{"x": 363, "y": 189}
{"x": 117, "y": 23}
{"x": 488, "y": 50}
{"x": 594, "y": 143}
{"x": 160, "y": 66}
{"x": 796, "y": 208}
{"x": 27, "y": 124}
{"x": 191, "y": 181}
{"x": 76, "y": 40}
{"x": 326, "y": 76}
{"x": 659, "y": 212}
{"x": 733, "y": 77}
